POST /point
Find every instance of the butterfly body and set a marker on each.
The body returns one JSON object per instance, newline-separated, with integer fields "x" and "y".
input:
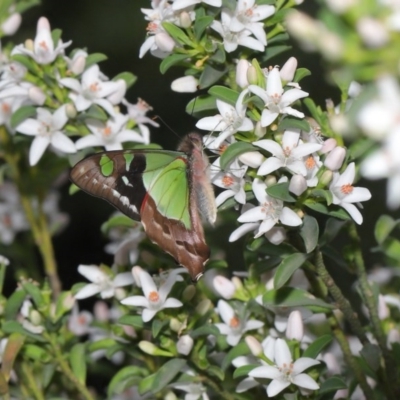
{"x": 167, "y": 191}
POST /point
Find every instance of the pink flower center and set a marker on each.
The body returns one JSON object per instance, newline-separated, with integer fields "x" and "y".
{"x": 43, "y": 45}
{"x": 346, "y": 189}
{"x": 310, "y": 163}
{"x": 227, "y": 181}
{"x": 154, "y": 297}
{"x": 94, "y": 87}
{"x": 234, "y": 322}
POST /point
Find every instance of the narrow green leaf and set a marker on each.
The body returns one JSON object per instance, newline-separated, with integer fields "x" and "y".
{"x": 56, "y": 36}
{"x": 240, "y": 349}
{"x": 317, "y": 346}
{"x": 125, "y": 378}
{"x": 391, "y": 247}
{"x": 323, "y": 209}
{"x": 210, "y": 75}
{"x": 326, "y": 194}
{"x": 22, "y": 114}
{"x": 16, "y": 327}
{"x": 117, "y": 221}
{"x": 332, "y": 384}
{"x": 205, "y": 331}
{"x": 132, "y": 320}
{"x": 292, "y": 297}
{"x": 360, "y": 148}
{"x": 300, "y": 74}
{"x": 201, "y": 104}
{"x": 372, "y": 355}
{"x": 35, "y": 293}
{"x": 94, "y": 112}
{"x": 47, "y": 373}
{"x": 94, "y": 58}
{"x": 201, "y": 24}
{"x": 10, "y": 353}
{"x": 170, "y": 61}
{"x": 128, "y": 77}
{"x": 225, "y": 94}
{"x": 28, "y": 63}
{"x": 309, "y": 232}
{"x": 213, "y": 370}
{"x": 219, "y": 55}
{"x": 14, "y": 304}
{"x": 102, "y": 344}
{"x": 4, "y": 389}
{"x": 384, "y": 227}
{"x": 273, "y": 51}
{"x": 281, "y": 191}
{"x": 177, "y": 33}
{"x": 78, "y": 362}
{"x": 244, "y": 371}
{"x": 332, "y": 228}
{"x": 233, "y": 151}
{"x": 73, "y": 189}
{"x": 292, "y": 123}
{"x": 36, "y": 353}
{"x": 287, "y": 268}
{"x": 157, "y": 326}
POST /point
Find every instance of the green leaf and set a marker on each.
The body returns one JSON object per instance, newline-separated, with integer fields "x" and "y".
{"x": 16, "y": 327}
{"x": 22, "y": 114}
{"x": 200, "y": 25}
{"x": 281, "y": 191}
{"x": 213, "y": 370}
{"x": 323, "y": 209}
{"x": 36, "y": 353}
{"x": 317, "y": 346}
{"x": 94, "y": 58}
{"x": 309, "y": 232}
{"x": 240, "y": 349}
{"x": 273, "y": 51}
{"x": 360, "y": 148}
{"x": 73, "y": 189}
{"x": 233, "y": 151}
{"x": 35, "y": 293}
{"x": 125, "y": 378}
{"x": 201, "y": 104}
{"x": 332, "y": 228}
{"x": 383, "y": 228}
{"x": 287, "y": 268}
{"x": 225, "y": 94}
{"x": 64, "y": 304}
{"x": 94, "y": 112}
{"x": 102, "y": 344}
{"x": 177, "y": 33}
{"x": 210, "y": 75}
{"x": 56, "y": 36}
{"x": 14, "y": 344}
{"x": 117, "y": 221}
{"x": 244, "y": 370}
{"x": 128, "y": 77}
{"x": 372, "y": 355}
{"x": 219, "y": 55}
{"x": 14, "y": 304}
{"x": 170, "y": 61}
{"x": 300, "y": 74}
{"x": 78, "y": 362}
{"x": 165, "y": 374}
{"x": 332, "y": 384}
{"x": 28, "y": 63}
{"x": 391, "y": 247}
{"x": 292, "y": 297}
{"x": 132, "y": 320}
{"x": 157, "y": 326}
{"x": 205, "y": 331}
{"x": 292, "y": 123}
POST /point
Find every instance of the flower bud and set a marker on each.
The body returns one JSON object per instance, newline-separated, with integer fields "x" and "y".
{"x": 11, "y": 24}
{"x": 175, "y": 325}
{"x": 298, "y": 184}
{"x": 334, "y": 160}
{"x": 184, "y": 20}
{"x": 70, "y": 110}
{"x": 252, "y": 75}
{"x": 330, "y": 45}
{"x": 164, "y": 42}
{"x": 288, "y": 70}
{"x": 332, "y": 364}
{"x": 259, "y": 130}
{"x": 254, "y": 345}
{"x": 383, "y": 309}
{"x": 372, "y": 32}
{"x": 276, "y": 235}
{"x": 326, "y": 178}
{"x": 188, "y": 293}
{"x": 241, "y": 73}
{"x": 186, "y": 84}
{"x": 184, "y": 345}
{"x": 136, "y": 275}
{"x": 35, "y": 317}
{"x": 237, "y": 282}
{"x": 203, "y": 306}
{"x": 295, "y": 326}
{"x": 328, "y": 145}
{"x": 78, "y": 65}
{"x": 29, "y": 44}
{"x": 148, "y": 347}
{"x": 101, "y": 311}
{"x": 253, "y": 159}
{"x": 36, "y": 95}
{"x": 270, "y": 180}
{"x": 224, "y": 287}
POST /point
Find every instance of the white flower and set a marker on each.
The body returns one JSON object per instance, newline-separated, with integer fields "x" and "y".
{"x": 154, "y": 299}
{"x": 234, "y": 327}
{"x": 289, "y": 154}
{"x": 286, "y": 372}
{"x": 344, "y": 193}
{"x": 269, "y": 212}
{"x": 229, "y": 121}
{"x": 159, "y": 42}
{"x": 276, "y": 100}
{"x": 194, "y": 391}
{"x": 224, "y": 286}
{"x": 233, "y": 39}
{"x": 101, "y": 282}
{"x": 233, "y": 182}
{"x": 43, "y": 46}
{"x": 247, "y": 15}
{"x": 110, "y": 134}
{"x": 93, "y": 90}
{"x": 179, "y": 4}
{"x": 47, "y": 130}
{"x": 79, "y": 321}
{"x": 185, "y": 84}
{"x": 11, "y": 24}
{"x": 184, "y": 345}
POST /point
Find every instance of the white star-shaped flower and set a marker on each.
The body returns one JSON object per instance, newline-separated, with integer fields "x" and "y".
{"x": 276, "y": 100}
{"x": 344, "y": 193}
{"x": 110, "y": 134}
{"x": 269, "y": 212}
{"x": 233, "y": 39}
{"x": 229, "y": 121}
{"x": 43, "y": 47}
{"x": 286, "y": 372}
{"x": 102, "y": 283}
{"x": 154, "y": 299}
{"x": 47, "y": 130}
{"x": 289, "y": 155}
{"x": 179, "y": 4}
{"x": 234, "y": 327}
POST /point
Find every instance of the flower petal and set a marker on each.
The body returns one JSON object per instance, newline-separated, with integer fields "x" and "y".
{"x": 38, "y": 147}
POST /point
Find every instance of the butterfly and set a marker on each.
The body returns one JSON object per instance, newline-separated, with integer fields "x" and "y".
{"x": 168, "y": 191}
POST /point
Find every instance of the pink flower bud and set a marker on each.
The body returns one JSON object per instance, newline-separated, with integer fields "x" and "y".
{"x": 78, "y": 65}
{"x": 253, "y": 159}
{"x": 288, "y": 70}
{"x": 259, "y": 130}
{"x": 164, "y": 42}
{"x": 136, "y": 271}
{"x": 295, "y": 326}
{"x": 334, "y": 160}
{"x": 11, "y": 24}
{"x": 101, "y": 311}
{"x": 185, "y": 20}
{"x": 186, "y": 84}
{"x": 298, "y": 184}
{"x": 332, "y": 364}
{"x": 276, "y": 235}
{"x": 36, "y": 95}
{"x": 241, "y": 73}
{"x": 328, "y": 145}
{"x": 254, "y": 345}
{"x": 184, "y": 345}
{"x": 224, "y": 287}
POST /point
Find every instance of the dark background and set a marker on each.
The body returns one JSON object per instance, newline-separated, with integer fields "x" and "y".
{"x": 117, "y": 29}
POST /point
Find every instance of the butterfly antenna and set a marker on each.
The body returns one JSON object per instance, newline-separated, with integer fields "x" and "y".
{"x": 167, "y": 125}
